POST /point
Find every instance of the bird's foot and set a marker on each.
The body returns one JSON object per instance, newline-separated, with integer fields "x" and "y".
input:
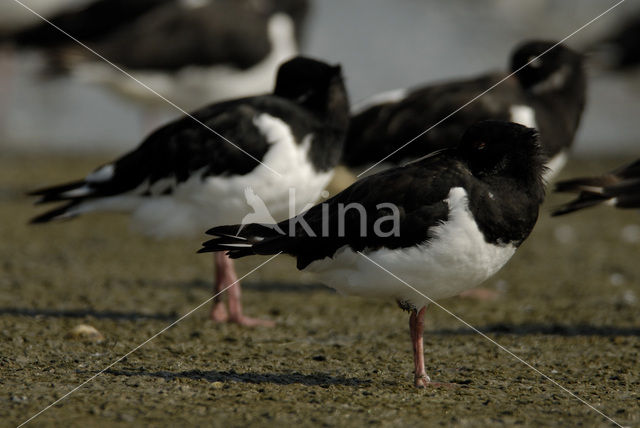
{"x": 219, "y": 313}
{"x": 421, "y": 381}
{"x": 251, "y": 322}
{"x": 425, "y": 382}
{"x": 484, "y": 294}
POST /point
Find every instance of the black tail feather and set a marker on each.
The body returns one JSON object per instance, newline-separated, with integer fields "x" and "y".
{"x": 56, "y": 213}
{"x": 56, "y": 193}
{"x": 580, "y": 184}
{"x": 582, "y": 202}
{"x": 240, "y": 240}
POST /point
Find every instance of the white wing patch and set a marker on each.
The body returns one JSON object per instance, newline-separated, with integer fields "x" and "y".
{"x": 392, "y": 96}
{"x": 272, "y": 128}
{"x": 102, "y": 174}
{"x": 78, "y": 192}
{"x": 524, "y": 115}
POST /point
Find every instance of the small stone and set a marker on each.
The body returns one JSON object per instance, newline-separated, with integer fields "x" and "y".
{"x": 125, "y": 417}
{"x": 616, "y": 279}
{"x": 629, "y": 297}
{"x": 217, "y": 385}
{"x": 85, "y": 332}
{"x": 564, "y": 234}
{"x": 630, "y": 233}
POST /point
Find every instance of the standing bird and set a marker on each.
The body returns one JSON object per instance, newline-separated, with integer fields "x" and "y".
{"x": 547, "y": 93}
{"x": 620, "y": 50}
{"x": 183, "y": 177}
{"x": 443, "y": 224}
{"x": 619, "y": 188}
{"x": 15, "y": 18}
{"x": 86, "y": 21}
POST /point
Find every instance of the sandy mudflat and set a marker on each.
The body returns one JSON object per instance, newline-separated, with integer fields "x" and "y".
{"x": 569, "y": 305}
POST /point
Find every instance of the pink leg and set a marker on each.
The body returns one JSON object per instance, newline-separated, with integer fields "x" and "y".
{"x": 226, "y": 275}
{"x": 416, "y": 329}
{"x": 218, "y": 310}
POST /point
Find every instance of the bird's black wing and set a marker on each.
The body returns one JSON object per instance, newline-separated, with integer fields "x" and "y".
{"x": 380, "y": 129}
{"x": 418, "y": 191}
{"x": 179, "y": 149}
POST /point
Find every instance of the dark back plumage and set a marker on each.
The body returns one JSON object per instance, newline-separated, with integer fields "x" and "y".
{"x": 498, "y": 164}
{"x": 164, "y": 35}
{"x": 378, "y": 130}
{"x": 86, "y": 23}
{"x": 620, "y": 49}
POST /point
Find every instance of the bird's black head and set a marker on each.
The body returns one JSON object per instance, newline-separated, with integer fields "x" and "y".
{"x": 313, "y": 84}
{"x": 541, "y": 67}
{"x": 503, "y": 149}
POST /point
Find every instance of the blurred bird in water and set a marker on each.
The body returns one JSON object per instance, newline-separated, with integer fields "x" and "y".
{"x": 619, "y": 188}
{"x": 183, "y": 177}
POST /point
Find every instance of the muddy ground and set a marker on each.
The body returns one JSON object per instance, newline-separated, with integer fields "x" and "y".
{"x": 568, "y": 305}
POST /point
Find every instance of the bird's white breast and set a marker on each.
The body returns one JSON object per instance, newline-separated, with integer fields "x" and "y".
{"x": 457, "y": 258}
{"x": 285, "y": 183}
{"x": 524, "y": 115}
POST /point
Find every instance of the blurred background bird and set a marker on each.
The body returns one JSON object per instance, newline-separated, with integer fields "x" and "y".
{"x": 619, "y": 49}
{"x": 383, "y": 45}
{"x": 185, "y": 52}
{"x": 545, "y": 88}
{"x": 619, "y": 188}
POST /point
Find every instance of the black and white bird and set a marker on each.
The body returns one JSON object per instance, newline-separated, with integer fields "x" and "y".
{"x": 87, "y": 21}
{"x": 619, "y": 188}
{"x": 190, "y": 51}
{"x": 620, "y": 49}
{"x": 443, "y": 224}
{"x": 15, "y": 18}
{"x": 547, "y": 93}
{"x": 274, "y": 155}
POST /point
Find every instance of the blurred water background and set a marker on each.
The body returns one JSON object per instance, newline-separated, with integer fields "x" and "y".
{"x": 382, "y": 44}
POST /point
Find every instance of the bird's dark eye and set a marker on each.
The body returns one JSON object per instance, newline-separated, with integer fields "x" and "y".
{"x": 479, "y": 145}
